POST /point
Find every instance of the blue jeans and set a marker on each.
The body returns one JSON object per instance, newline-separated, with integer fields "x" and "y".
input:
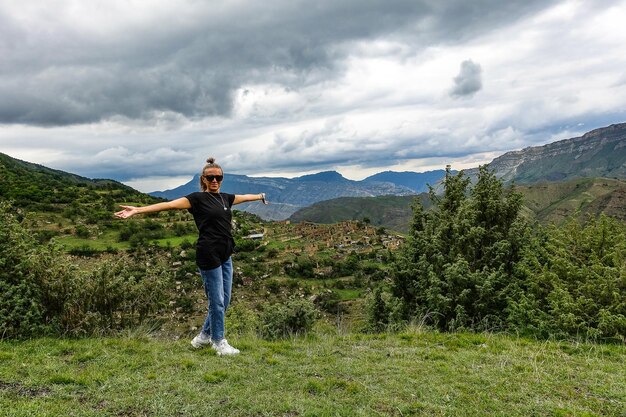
{"x": 218, "y": 283}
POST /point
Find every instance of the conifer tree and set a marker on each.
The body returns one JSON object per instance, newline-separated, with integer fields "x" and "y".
{"x": 457, "y": 268}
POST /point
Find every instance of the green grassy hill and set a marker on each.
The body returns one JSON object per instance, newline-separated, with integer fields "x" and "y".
{"x": 39, "y": 188}
{"x": 335, "y": 370}
{"x": 554, "y": 201}
{"x": 78, "y": 214}
{"x": 392, "y": 212}
{"x": 59, "y": 204}
{"x": 78, "y": 211}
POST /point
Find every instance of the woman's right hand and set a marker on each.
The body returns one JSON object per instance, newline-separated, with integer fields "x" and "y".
{"x": 127, "y": 212}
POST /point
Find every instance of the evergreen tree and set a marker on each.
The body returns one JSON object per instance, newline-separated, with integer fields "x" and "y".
{"x": 574, "y": 282}
{"x": 457, "y": 268}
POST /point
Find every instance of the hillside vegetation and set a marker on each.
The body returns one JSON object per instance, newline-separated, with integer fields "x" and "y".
{"x": 554, "y": 202}
{"x": 58, "y": 204}
{"x": 39, "y": 188}
{"x": 392, "y": 212}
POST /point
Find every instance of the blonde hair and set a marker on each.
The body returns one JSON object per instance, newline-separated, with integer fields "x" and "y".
{"x": 210, "y": 163}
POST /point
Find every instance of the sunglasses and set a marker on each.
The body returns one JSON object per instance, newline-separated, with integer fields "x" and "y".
{"x": 210, "y": 178}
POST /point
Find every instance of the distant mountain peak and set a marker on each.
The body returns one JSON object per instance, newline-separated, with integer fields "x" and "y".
{"x": 326, "y": 176}
{"x": 417, "y": 181}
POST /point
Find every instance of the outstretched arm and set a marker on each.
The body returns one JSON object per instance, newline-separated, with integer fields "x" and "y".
{"x": 178, "y": 204}
{"x": 243, "y": 198}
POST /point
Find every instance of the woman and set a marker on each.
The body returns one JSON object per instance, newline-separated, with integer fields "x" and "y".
{"x": 211, "y": 211}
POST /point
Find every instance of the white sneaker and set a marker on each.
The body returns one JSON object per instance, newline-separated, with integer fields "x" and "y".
{"x": 201, "y": 340}
{"x": 223, "y": 348}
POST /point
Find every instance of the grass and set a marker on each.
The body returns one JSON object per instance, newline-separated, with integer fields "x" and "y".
{"x": 177, "y": 240}
{"x": 412, "y": 373}
{"x": 349, "y": 294}
{"x": 109, "y": 240}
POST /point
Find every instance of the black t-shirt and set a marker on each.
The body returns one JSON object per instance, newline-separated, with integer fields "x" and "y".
{"x": 213, "y": 216}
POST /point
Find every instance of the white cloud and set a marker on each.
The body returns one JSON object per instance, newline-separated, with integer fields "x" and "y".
{"x": 144, "y": 91}
{"x": 157, "y": 183}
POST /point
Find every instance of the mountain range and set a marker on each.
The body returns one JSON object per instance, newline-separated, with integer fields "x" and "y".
{"x": 585, "y": 173}
{"x": 288, "y": 195}
{"x": 579, "y": 175}
{"x": 600, "y": 153}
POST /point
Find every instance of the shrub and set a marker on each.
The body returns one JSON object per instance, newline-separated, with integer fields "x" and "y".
{"x": 301, "y": 267}
{"x": 82, "y": 231}
{"x": 473, "y": 263}
{"x": 46, "y": 291}
{"x": 117, "y": 292}
{"x": 245, "y": 245}
{"x": 574, "y": 282}
{"x": 273, "y": 286}
{"x": 242, "y": 320}
{"x": 85, "y": 251}
{"x": 346, "y": 267}
{"x": 44, "y": 236}
{"x": 289, "y": 319}
{"x": 21, "y": 311}
{"x": 328, "y": 301}
{"x": 377, "y": 311}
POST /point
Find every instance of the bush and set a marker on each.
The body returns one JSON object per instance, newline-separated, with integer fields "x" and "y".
{"x": 44, "y": 236}
{"x": 45, "y": 291}
{"x": 21, "y": 310}
{"x": 245, "y": 245}
{"x": 301, "y": 267}
{"x": 273, "y": 286}
{"x": 85, "y": 251}
{"x": 116, "y": 292}
{"x": 574, "y": 282}
{"x": 346, "y": 267}
{"x": 377, "y": 311}
{"x": 329, "y": 301}
{"x": 82, "y": 231}
{"x": 242, "y": 320}
{"x": 185, "y": 244}
{"x": 285, "y": 320}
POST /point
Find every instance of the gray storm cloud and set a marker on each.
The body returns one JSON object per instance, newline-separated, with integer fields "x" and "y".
{"x": 189, "y": 60}
{"x": 469, "y": 80}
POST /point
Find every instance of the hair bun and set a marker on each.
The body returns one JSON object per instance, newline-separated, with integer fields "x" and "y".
{"x": 210, "y": 160}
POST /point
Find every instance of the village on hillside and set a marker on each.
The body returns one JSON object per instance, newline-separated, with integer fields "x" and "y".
{"x": 348, "y": 235}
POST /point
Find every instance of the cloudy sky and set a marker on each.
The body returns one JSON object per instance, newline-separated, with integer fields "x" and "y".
{"x": 143, "y": 91}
